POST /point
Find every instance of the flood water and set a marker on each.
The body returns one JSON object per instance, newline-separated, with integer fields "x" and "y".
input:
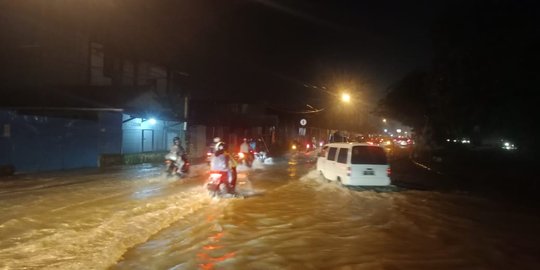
{"x": 289, "y": 218}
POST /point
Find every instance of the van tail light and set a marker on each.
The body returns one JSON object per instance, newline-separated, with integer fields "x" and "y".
{"x": 388, "y": 172}
{"x": 348, "y": 171}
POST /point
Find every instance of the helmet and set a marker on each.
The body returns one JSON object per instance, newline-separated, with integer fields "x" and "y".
{"x": 220, "y": 146}
{"x": 217, "y": 139}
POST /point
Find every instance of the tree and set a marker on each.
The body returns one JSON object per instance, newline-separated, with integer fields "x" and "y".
{"x": 482, "y": 80}
{"x": 407, "y": 100}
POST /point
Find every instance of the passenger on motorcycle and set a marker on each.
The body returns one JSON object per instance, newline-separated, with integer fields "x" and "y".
{"x": 224, "y": 163}
{"x": 253, "y": 145}
{"x": 177, "y": 148}
{"x": 178, "y": 152}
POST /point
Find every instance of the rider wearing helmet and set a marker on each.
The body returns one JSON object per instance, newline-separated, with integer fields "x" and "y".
{"x": 212, "y": 147}
{"x": 211, "y": 150}
{"x": 223, "y": 162}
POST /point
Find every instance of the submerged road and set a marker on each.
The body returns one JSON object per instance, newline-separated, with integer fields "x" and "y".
{"x": 290, "y": 218}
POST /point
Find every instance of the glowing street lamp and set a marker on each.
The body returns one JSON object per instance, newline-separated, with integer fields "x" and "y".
{"x": 345, "y": 98}
{"x": 384, "y": 120}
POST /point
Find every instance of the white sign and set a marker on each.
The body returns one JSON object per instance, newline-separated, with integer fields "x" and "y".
{"x": 303, "y": 122}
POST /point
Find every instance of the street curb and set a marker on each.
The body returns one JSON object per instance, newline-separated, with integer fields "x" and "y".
{"x": 427, "y": 167}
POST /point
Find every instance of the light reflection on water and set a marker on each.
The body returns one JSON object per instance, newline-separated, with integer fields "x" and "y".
{"x": 290, "y": 219}
{"x": 292, "y": 167}
{"x": 212, "y": 254}
{"x": 313, "y": 224}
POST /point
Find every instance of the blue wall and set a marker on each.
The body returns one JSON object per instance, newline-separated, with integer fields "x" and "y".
{"x": 43, "y": 143}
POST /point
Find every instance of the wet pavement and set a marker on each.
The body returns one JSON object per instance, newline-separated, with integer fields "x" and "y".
{"x": 289, "y": 218}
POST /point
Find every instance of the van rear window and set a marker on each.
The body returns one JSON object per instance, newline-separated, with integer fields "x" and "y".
{"x": 368, "y": 155}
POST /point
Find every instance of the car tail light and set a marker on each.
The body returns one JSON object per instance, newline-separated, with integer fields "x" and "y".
{"x": 388, "y": 172}
{"x": 349, "y": 171}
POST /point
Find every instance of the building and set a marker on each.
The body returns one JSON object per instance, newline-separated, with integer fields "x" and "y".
{"x": 71, "y": 94}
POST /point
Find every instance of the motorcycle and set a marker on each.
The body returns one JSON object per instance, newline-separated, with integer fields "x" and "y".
{"x": 219, "y": 186}
{"x": 245, "y": 158}
{"x": 261, "y": 156}
{"x": 175, "y": 166}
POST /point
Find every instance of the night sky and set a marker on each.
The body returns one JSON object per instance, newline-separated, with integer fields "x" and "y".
{"x": 266, "y": 50}
{"x": 271, "y": 50}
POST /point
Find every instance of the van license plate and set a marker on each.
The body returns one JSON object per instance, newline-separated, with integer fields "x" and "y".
{"x": 369, "y": 172}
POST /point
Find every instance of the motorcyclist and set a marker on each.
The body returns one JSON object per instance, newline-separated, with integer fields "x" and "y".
{"x": 211, "y": 149}
{"x": 215, "y": 141}
{"x": 177, "y": 148}
{"x": 245, "y": 149}
{"x": 224, "y": 163}
{"x": 178, "y": 152}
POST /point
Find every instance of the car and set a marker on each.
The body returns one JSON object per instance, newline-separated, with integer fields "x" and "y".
{"x": 403, "y": 142}
{"x": 354, "y": 164}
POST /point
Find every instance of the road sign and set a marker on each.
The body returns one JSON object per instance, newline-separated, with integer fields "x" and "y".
{"x": 303, "y": 122}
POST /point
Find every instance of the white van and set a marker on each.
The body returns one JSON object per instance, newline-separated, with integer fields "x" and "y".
{"x": 354, "y": 164}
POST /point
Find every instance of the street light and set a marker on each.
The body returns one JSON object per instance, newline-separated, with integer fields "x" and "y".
{"x": 345, "y": 98}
